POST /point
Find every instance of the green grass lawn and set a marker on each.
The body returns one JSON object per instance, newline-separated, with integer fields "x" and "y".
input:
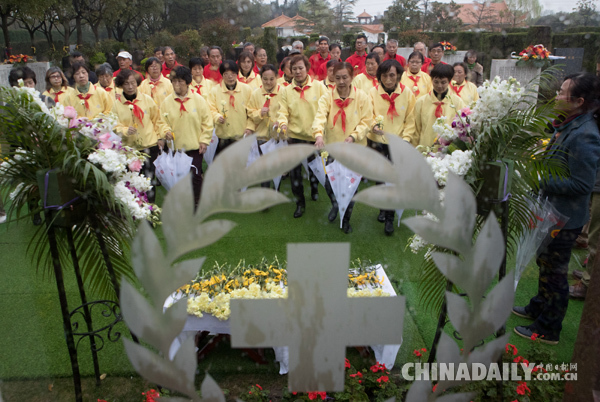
{"x": 33, "y": 352}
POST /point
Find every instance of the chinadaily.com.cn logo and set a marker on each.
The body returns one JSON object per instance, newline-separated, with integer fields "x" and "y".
{"x": 493, "y": 372}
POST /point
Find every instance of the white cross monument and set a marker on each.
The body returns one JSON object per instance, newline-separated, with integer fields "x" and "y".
{"x": 317, "y": 320}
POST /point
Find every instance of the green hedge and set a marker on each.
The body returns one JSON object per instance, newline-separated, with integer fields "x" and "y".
{"x": 582, "y": 29}
{"x": 269, "y": 43}
{"x": 590, "y": 42}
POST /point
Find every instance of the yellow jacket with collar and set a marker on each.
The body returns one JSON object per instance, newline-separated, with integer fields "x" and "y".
{"x": 424, "y": 85}
{"x": 467, "y": 91}
{"x": 425, "y": 115}
{"x": 157, "y": 91}
{"x": 203, "y": 88}
{"x": 365, "y": 82}
{"x": 402, "y": 125}
{"x": 148, "y": 130}
{"x": 262, "y": 125}
{"x": 253, "y": 81}
{"x": 235, "y": 116}
{"x": 359, "y": 115}
{"x": 298, "y": 114}
{"x": 98, "y": 102}
{"x": 51, "y": 93}
{"x": 190, "y": 127}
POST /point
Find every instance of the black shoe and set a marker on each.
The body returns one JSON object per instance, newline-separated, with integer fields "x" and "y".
{"x": 37, "y": 220}
{"x": 314, "y": 195}
{"x": 389, "y": 228}
{"x": 299, "y": 211}
{"x": 381, "y": 216}
{"x": 346, "y": 227}
{"x": 528, "y": 333}
{"x": 521, "y": 312}
{"x": 332, "y": 214}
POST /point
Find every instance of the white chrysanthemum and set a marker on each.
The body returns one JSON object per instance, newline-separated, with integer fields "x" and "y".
{"x": 111, "y": 160}
{"x": 444, "y": 130}
{"x": 496, "y": 99}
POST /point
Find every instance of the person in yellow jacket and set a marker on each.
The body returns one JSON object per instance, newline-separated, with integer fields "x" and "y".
{"x": 297, "y": 110}
{"x": 104, "y": 73}
{"x": 228, "y": 101}
{"x": 247, "y": 75}
{"x": 437, "y": 103}
{"x": 466, "y": 90}
{"x": 186, "y": 119}
{"x": 155, "y": 85}
{"x": 138, "y": 121}
{"x": 263, "y": 107}
{"x": 87, "y": 99}
{"x": 414, "y": 78}
{"x": 368, "y": 78}
{"x": 393, "y": 113}
{"x": 285, "y": 72}
{"x": 199, "y": 84}
{"x": 344, "y": 115}
{"x": 329, "y": 80}
{"x": 57, "y": 85}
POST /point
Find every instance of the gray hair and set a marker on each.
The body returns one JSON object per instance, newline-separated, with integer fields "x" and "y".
{"x": 298, "y": 42}
{"x": 104, "y": 69}
{"x": 394, "y": 41}
{"x": 416, "y": 43}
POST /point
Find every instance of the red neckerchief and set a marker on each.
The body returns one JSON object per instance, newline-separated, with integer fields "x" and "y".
{"x": 457, "y": 89}
{"x": 439, "y": 110}
{"x": 301, "y": 90}
{"x": 108, "y": 89}
{"x": 85, "y": 99}
{"x": 181, "y": 104}
{"x": 268, "y": 101}
{"x": 392, "y": 100}
{"x": 373, "y": 79}
{"x": 56, "y": 95}
{"x": 137, "y": 111}
{"x": 342, "y": 105}
{"x": 558, "y": 124}
{"x": 231, "y": 98}
{"x": 415, "y": 79}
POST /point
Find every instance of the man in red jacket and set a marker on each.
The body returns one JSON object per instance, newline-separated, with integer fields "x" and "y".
{"x": 391, "y": 49}
{"x": 125, "y": 60}
{"x": 170, "y": 61}
{"x": 360, "y": 56}
{"x": 321, "y": 57}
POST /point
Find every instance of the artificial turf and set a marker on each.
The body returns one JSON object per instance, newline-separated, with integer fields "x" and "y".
{"x": 32, "y": 343}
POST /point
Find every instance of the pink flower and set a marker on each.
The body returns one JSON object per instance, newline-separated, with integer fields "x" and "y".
{"x": 135, "y": 166}
{"x": 105, "y": 142}
{"x": 70, "y": 112}
{"x": 465, "y": 111}
{"x": 74, "y": 123}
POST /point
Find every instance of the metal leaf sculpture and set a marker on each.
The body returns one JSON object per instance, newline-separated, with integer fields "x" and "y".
{"x": 409, "y": 184}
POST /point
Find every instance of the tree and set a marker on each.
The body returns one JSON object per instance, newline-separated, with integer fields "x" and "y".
{"x": 93, "y": 14}
{"x": 318, "y": 17}
{"x": 343, "y": 15}
{"x": 402, "y": 15}
{"x": 31, "y": 16}
{"x": 523, "y": 9}
{"x": 586, "y": 10}
{"x": 7, "y": 11}
{"x": 446, "y": 16}
{"x": 482, "y": 13}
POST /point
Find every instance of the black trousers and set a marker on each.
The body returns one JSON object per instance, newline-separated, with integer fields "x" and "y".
{"x": 223, "y": 143}
{"x": 149, "y": 169}
{"x": 196, "y": 170}
{"x": 384, "y": 150}
{"x": 296, "y": 177}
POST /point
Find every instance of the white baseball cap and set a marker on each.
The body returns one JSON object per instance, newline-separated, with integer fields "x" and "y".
{"x": 125, "y": 55}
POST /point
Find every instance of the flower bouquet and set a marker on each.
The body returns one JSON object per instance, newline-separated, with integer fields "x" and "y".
{"x": 448, "y": 47}
{"x": 212, "y": 291}
{"x": 102, "y": 173}
{"x": 19, "y": 59}
{"x": 533, "y": 55}
{"x": 504, "y": 128}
